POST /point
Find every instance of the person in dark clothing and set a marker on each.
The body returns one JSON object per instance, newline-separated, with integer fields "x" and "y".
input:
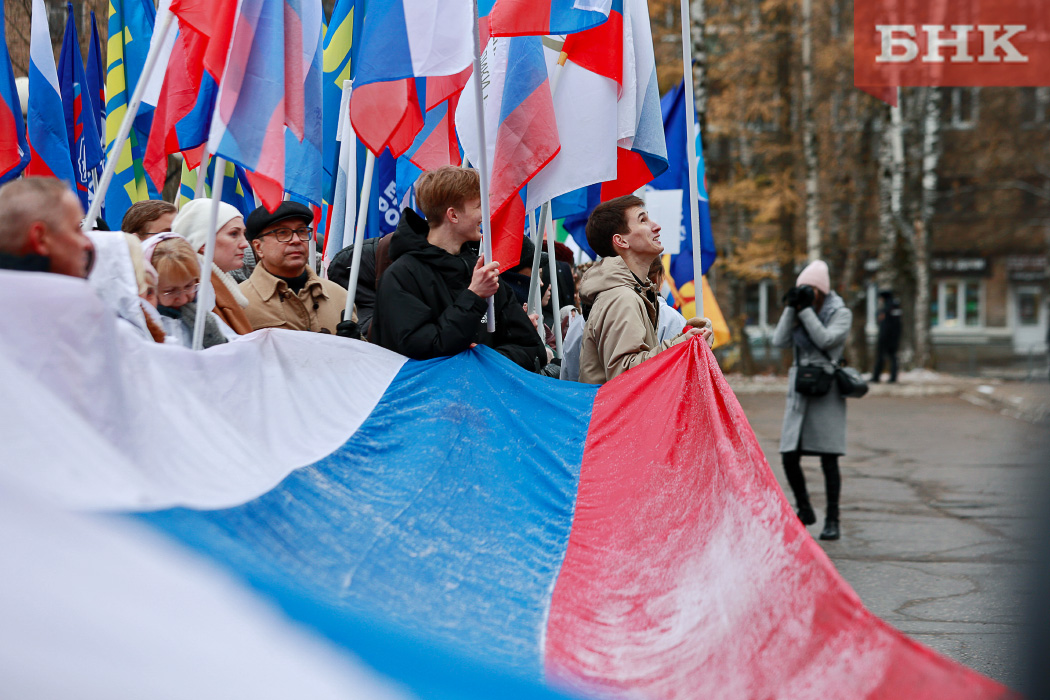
{"x": 367, "y": 278}
{"x": 431, "y": 301}
{"x": 889, "y": 339}
{"x": 40, "y": 228}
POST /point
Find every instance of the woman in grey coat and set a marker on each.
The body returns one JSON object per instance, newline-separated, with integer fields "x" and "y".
{"x": 815, "y": 323}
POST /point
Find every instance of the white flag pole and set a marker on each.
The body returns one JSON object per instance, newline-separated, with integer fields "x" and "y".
{"x": 202, "y": 174}
{"x": 552, "y": 265}
{"x": 535, "y": 298}
{"x": 205, "y": 295}
{"x": 359, "y": 234}
{"x": 483, "y": 166}
{"x": 164, "y": 25}
{"x": 690, "y": 143}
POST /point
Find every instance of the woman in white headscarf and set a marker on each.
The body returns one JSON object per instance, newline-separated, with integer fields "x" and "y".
{"x": 815, "y": 323}
{"x": 192, "y": 222}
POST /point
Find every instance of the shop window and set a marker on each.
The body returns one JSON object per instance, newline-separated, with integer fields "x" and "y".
{"x": 956, "y": 304}
{"x": 1028, "y": 307}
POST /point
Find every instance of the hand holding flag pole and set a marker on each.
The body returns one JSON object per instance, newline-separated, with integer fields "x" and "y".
{"x": 690, "y": 142}
{"x": 155, "y": 49}
{"x": 483, "y": 166}
{"x": 206, "y": 295}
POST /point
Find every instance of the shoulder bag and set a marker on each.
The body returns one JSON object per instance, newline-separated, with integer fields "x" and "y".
{"x": 815, "y": 380}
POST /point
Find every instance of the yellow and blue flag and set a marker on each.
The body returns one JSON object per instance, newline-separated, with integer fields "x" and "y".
{"x": 338, "y": 63}
{"x": 236, "y": 189}
{"x": 130, "y": 30}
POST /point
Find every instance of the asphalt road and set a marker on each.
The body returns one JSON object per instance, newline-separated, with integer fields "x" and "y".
{"x": 938, "y": 498}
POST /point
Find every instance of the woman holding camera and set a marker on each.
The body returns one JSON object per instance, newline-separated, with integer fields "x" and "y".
{"x": 815, "y": 323}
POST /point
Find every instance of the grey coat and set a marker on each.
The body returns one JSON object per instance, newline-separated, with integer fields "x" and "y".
{"x": 814, "y": 424}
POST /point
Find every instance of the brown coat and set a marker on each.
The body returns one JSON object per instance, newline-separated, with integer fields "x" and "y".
{"x": 227, "y": 308}
{"x": 621, "y": 327}
{"x": 271, "y": 304}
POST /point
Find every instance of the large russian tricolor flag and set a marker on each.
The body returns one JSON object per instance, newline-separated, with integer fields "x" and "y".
{"x": 46, "y": 126}
{"x": 610, "y": 541}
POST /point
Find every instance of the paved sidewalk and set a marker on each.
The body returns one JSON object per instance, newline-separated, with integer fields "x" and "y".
{"x": 1027, "y": 401}
{"x": 937, "y": 500}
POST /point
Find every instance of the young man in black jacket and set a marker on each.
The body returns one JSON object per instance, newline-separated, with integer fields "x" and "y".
{"x": 431, "y": 301}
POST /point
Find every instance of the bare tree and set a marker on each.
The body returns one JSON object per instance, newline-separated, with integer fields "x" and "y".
{"x": 809, "y": 136}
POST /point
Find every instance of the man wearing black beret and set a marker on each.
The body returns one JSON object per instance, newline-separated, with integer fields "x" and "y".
{"x": 283, "y": 292}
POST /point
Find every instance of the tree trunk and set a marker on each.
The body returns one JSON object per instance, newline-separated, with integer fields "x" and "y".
{"x": 932, "y": 147}
{"x": 809, "y": 136}
{"x": 891, "y": 194}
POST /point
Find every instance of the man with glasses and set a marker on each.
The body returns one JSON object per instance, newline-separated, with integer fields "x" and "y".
{"x": 283, "y": 292}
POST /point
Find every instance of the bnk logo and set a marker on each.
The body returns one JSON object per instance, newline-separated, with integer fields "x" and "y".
{"x": 963, "y": 43}
{"x": 994, "y": 45}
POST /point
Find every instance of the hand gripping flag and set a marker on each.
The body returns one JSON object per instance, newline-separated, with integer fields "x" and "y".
{"x": 624, "y": 541}
{"x": 85, "y": 143}
{"x": 676, "y": 177}
{"x": 540, "y": 17}
{"x": 130, "y": 31}
{"x": 402, "y": 40}
{"x": 518, "y": 109}
{"x": 14, "y": 149}
{"x": 48, "y": 143}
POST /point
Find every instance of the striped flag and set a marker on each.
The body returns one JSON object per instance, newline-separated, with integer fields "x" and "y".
{"x": 14, "y": 149}
{"x": 85, "y": 143}
{"x": 48, "y": 143}
{"x": 519, "y": 113}
{"x": 130, "y": 31}
{"x": 436, "y": 144}
{"x": 626, "y": 541}
{"x": 260, "y": 93}
{"x": 642, "y": 152}
{"x": 303, "y": 154}
{"x": 402, "y": 40}
{"x": 540, "y": 17}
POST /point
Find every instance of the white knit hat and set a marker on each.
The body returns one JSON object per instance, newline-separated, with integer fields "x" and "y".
{"x": 192, "y": 220}
{"x": 815, "y": 275}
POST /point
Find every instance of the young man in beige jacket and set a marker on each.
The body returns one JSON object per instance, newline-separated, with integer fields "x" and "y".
{"x": 622, "y": 322}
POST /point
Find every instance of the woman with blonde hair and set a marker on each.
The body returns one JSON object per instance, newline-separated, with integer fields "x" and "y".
{"x": 178, "y": 280}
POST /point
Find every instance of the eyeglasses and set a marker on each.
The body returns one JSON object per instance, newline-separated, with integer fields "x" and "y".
{"x": 284, "y": 235}
{"x": 190, "y": 289}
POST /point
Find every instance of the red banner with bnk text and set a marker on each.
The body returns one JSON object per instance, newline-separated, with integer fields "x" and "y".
{"x": 958, "y": 43}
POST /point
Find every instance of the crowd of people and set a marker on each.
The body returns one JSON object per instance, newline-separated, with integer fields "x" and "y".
{"x": 423, "y": 291}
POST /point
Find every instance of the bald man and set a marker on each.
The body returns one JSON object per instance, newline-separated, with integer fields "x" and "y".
{"x": 40, "y": 228}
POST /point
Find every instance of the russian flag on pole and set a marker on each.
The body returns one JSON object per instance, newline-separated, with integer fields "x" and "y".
{"x": 14, "y": 149}
{"x": 436, "y": 144}
{"x": 519, "y": 110}
{"x": 255, "y": 100}
{"x": 48, "y": 143}
{"x": 642, "y": 152}
{"x": 540, "y": 17}
{"x": 85, "y": 143}
{"x": 402, "y": 40}
{"x": 622, "y": 541}
{"x": 303, "y": 158}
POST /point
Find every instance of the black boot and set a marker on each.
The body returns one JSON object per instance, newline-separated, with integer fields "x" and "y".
{"x": 805, "y": 513}
{"x": 831, "y": 529}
